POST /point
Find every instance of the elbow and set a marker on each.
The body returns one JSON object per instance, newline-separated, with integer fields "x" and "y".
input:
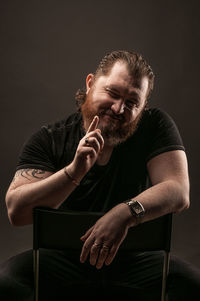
{"x": 16, "y": 214}
{"x": 14, "y": 218}
{"x": 18, "y": 219}
{"x": 10, "y": 208}
{"x": 182, "y": 196}
{"x": 183, "y": 204}
{"x": 14, "y": 221}
{"x": 10, "y": 201}
{"x": 13, "y": 215}
{"x": 186, "y": 203}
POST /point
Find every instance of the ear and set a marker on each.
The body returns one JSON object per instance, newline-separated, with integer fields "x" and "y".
{"x": 89, "y": 82}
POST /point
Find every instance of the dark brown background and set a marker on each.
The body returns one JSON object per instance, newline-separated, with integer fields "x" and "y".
{"x": 47, "y": 49}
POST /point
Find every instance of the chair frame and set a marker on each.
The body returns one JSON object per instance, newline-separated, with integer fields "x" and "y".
{"x": 48, "y": 225}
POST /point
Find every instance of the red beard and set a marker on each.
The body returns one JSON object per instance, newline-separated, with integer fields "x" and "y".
{"x": 116, "y": 130}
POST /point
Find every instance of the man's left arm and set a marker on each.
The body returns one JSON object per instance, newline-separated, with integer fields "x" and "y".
{"x": 168, "y": 173}
{"x": 169, "y": 192}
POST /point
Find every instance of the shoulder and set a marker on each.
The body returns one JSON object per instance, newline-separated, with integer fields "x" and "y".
{"x": 64, "y": 124}
{"x": 161, "y": 132}
{"x": 48, "y": 133}
{"x": 156, "y": 120}
{"x": 156, "y": 115}
{"x": 156, "y": 133}
{"x": 45, "y": 148}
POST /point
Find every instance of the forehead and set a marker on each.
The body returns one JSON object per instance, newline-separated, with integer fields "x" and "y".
{"x": 120, "y": 78}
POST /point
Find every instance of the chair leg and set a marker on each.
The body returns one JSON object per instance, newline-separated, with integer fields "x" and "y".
{"x": 36, "y": 273}
{"x": 165, "y": 274}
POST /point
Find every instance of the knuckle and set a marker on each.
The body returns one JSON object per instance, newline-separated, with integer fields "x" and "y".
{"x": 86, "y": 246}
{"x": 93, "y": 250}
{"x": 104, "y": 251}
{"x": 92, "y": 152}
{"x": 94, "y": 141}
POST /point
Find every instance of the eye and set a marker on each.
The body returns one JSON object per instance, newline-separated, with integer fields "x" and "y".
{"x": 130, "y": 104}
{"x": 113, "y": 94}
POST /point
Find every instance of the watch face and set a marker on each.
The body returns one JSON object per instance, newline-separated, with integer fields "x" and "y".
{"x": 137, "y": 207}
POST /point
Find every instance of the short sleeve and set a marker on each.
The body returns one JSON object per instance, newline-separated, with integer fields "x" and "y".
{"x": 163, "y": 134}
{"x": 37, "y": 152}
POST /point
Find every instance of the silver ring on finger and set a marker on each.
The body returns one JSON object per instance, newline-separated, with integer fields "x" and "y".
{"x": 87, "y": 141}
{"x": 105, "y": 247}
{"x": 97, "y": 245}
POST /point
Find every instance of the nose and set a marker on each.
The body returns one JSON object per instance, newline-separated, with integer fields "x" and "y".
{"x": 118, "y": 107}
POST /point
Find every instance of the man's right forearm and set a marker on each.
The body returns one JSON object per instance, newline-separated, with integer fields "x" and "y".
{"x": 52, "y": 190}
{"x": 49, "y": 192}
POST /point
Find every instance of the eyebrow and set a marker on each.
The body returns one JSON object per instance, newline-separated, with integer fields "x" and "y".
{"x": 117, "y": 88}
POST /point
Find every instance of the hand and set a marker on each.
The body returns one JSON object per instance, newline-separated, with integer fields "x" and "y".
{"x": 103, "y": 240}
{"x": 87, "y": 151}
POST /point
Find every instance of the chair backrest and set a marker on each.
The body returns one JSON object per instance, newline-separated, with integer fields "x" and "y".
{"x": 56, "y": 229}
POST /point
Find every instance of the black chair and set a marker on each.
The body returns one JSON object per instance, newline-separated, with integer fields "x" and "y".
{"x": 48, "y": 225}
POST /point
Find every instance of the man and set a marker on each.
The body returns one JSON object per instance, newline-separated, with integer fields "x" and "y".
{"x": 99, "y": 159}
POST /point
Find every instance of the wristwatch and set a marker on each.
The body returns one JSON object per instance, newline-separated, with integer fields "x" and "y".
{"x": 137, "y": 210}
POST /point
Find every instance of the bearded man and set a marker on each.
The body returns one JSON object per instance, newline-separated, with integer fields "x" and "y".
{"x": 98, "y": 159}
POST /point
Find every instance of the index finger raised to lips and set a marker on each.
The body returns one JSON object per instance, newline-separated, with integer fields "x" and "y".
{"x": 93, "y": 125}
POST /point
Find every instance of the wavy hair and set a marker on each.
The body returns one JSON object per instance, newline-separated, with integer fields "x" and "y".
{"x": 136, "y": 65}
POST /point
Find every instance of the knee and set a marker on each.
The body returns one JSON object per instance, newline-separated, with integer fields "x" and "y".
{"x": 14, "y": 282}
{"x": 13, "y": 290}
{"x": 183, "y": 280}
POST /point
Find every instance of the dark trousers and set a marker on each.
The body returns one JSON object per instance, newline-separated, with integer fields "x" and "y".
{"x": 63, "y": 277}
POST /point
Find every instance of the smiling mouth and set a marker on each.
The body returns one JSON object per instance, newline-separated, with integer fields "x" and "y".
{"x": 112, "y": 117}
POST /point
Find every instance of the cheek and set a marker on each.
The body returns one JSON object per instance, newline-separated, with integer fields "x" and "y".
{"x": 130, "y": 116}
{"x": 133, "y": 115}
{"x": 101, "y": 102}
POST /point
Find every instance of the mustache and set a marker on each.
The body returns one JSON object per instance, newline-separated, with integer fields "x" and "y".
{"x": 110, "y": 113}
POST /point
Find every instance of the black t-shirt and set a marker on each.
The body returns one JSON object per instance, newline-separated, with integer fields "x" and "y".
{"x": 125, "y": 175}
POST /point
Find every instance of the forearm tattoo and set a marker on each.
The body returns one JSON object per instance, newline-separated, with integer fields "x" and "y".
{"x": 29, "y": 173}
